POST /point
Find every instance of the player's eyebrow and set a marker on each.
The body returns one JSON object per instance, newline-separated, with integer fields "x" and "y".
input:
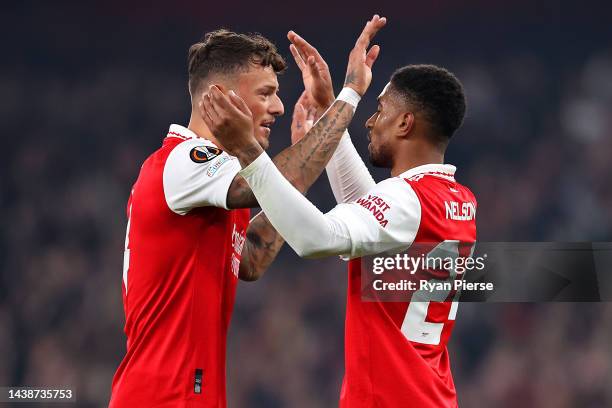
{"x": 269, "y": 88}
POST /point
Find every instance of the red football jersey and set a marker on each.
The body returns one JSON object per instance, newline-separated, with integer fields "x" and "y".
{"x": 180, "y": 273}
{"x": 396, "y": 353}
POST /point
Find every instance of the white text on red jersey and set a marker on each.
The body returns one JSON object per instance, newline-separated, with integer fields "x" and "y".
{"x": 465, "y": 211}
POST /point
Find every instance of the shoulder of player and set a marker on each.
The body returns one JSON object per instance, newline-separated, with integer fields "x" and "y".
{"x": 425, "y": 182}
{"x": 393, "y": 193}
{"x": 197, "y": 174}
{"x": 197, "y": 150}
{"x": 395, "y": 186}
{"x": 195, "y": 154}
{"x": 437, "y": 183}
{"x": 392, "y": 206}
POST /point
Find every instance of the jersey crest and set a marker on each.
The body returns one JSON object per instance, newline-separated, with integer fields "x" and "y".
{"x": 203, "y": 154}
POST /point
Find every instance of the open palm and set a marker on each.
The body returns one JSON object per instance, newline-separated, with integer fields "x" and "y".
{"x": 315, "y": 72}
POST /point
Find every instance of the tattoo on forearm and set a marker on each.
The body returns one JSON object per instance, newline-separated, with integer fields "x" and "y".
{"x": 249, "y": 154}
{"x": 261, "y": 246}
{"x": 301, "y": 164}
{"x": 240, "y": 195}
{"x": 304, "y": 162}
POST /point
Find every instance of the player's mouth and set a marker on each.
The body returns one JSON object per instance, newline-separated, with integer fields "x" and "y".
{"x": 265, "y": 125}
{"x": 370, "y": 141}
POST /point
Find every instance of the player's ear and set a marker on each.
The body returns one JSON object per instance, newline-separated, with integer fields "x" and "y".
{"x": 405, "y": 123}
{"x": 221, "y": 87}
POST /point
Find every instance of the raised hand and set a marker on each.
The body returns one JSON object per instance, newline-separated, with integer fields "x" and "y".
{"x": 228, "y": 117}
{"x": 304, "y": 114}
{"x": 359, "y": 70}
{"x": 315, "y": 72}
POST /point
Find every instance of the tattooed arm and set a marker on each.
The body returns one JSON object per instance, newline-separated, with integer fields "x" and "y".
{"x": 260, "y": 248}
{"x": 301, "y": 163}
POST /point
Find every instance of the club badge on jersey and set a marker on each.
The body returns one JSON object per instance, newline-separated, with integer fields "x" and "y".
{"x": 203, "y": 154}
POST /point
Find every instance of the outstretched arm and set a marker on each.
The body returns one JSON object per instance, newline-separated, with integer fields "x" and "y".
{"x": 348, "y": 175}
{"x": 386, "y": 218}
{"x": 302, "y": 163}
{"x": 263, "y": 242}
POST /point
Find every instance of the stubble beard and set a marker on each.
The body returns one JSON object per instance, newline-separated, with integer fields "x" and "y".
{"x": 381, "y": 157}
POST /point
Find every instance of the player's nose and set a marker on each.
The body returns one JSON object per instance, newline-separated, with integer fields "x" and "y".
{"x": 276, "y": 107}
{"x": 369, "y": 124}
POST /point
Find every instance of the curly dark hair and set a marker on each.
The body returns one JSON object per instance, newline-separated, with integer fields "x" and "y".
{"x": 226, "y": 52}
{"x": 434, "y": 91}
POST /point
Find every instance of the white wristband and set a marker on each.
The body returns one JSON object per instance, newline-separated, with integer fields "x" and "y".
{"x": 350, "y": 96}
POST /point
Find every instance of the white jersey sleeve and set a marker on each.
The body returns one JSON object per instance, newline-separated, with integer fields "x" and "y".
{"x": 386, "y": 218}
{"x": 348, "y": 175}
{"x": 198, "y": 174}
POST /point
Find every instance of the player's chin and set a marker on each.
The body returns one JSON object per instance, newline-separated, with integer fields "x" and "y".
{"x": 378, "y": 158}
{"x": 371, "y": 158}
{"x": 371, "y": 153}
{"x": 263, "y": 137}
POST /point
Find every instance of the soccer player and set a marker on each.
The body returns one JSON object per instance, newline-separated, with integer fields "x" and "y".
{"x": 189, "y": 238}
{"x": 395, "y": 353}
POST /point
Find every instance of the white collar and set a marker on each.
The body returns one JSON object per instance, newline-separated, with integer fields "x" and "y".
{"x": 181, "y": 132}
{"x": 446, "y": 171}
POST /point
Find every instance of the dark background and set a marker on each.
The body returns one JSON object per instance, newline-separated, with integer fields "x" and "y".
{"x": 89, "y": 90}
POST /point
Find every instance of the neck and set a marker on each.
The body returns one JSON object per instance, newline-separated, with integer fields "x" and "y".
{"x": 197, "y": 126}
{"x": 416, "y": 154}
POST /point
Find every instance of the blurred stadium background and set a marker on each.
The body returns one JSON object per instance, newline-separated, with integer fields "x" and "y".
{"x": 88, "y": 91}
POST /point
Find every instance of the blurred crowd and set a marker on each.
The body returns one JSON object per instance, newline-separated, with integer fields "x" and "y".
{"x": 79, "y": 120}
